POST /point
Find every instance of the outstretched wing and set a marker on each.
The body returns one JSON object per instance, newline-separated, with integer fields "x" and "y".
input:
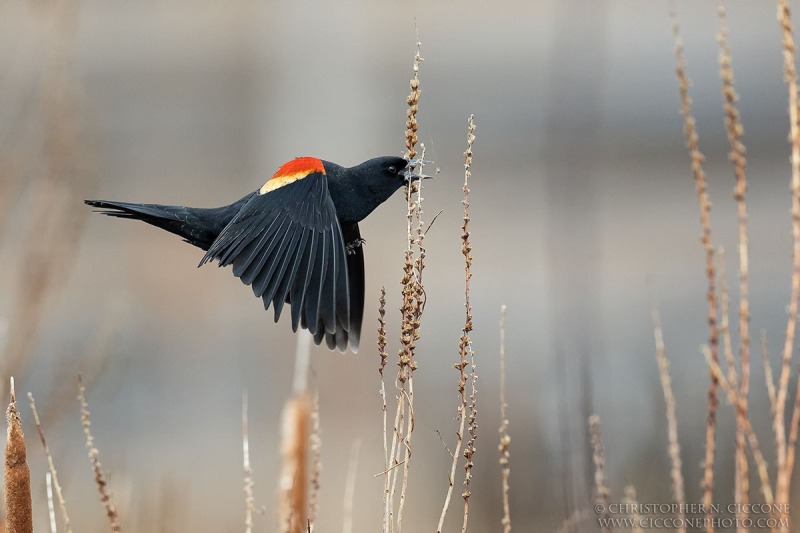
{"x": 287, "y": 244}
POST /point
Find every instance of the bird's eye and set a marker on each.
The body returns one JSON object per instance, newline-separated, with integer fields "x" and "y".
{"x": 393, "y": 169}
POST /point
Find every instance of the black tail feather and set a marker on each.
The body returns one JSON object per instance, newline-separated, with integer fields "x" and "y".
{"x": 197, "y": 226}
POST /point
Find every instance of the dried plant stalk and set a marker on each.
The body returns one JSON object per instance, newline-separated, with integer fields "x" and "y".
{"x": 411, "y": 313}
{"x": 315, "y": 441}
{"x": 51, "y": 507}
{"x": 17, "y": 478}
{"x": 249, "y": 500}
{"x": 629, "y": 498}
{"x": 350, "y": 488}
{"x": 384, "y": 356}
{"x": 463, "y": 411}
{"x": 94, "y": 457}
{"x": 505, "y": 438}
{"x": 603, "y": 493}
{"x": 768, "y": 372}
{"x": 741, "y": 468}
{"x": 413, "y": 106}
{"x": 62, "y": 504}
{"x": 790, "y": 76}
{"x": 692, "y": 143}
{"x": 382, "y": 331}
{"x": 465, "y": 345}
{"x": 294, "y": 451}
{"x": 293, "y": 486}
{"x": 674, "y": 448}
{"x": 413, "y": 304}
{"x": 735, "y": 132}
{"x": 733, "y": 398}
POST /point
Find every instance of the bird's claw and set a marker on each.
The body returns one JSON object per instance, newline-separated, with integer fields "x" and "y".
{"x": 352, "y": 245}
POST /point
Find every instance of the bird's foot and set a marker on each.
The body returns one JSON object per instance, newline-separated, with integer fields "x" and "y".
{"x": 352, "y": 245}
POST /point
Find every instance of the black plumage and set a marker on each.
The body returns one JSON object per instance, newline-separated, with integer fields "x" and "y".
{"x": 295, "y": 241}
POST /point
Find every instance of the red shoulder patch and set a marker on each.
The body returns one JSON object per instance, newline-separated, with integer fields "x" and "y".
{"x": 292, "y": 171}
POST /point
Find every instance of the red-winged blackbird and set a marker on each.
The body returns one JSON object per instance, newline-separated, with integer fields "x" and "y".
{"x": 295, "y": 240}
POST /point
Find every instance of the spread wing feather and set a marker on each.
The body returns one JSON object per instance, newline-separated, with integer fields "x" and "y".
{"x": 287, "y": 244}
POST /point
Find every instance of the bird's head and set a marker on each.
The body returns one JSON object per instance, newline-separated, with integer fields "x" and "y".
{"x": 358, "y": 190}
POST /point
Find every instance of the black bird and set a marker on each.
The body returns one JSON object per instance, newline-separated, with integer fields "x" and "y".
{"x": 295, "y": 240}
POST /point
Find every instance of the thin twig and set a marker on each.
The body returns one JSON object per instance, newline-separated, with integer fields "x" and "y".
{"x": 94, "y": 457}
{"x": 724, "y": 320}
{"x": 391, "y": 471}
{"x": 741, "y": 470}
{"x": 674, "y": 448}
{"x": 316, "y": 461}
{"x": 51, "y": 507}
{"x": 690, "y": 132}
{"x": 505, "y": 438}
{"x": 465, "y": 347}
{"x": 384, "y": 356}
{"x": 786, "y": 455}
{"x": 790, "y": 76}
{"x": 464, "y": 350}
{"x": 629, "y": 499}
{"x": 249, "y": 500}
{"x": 603, "y": 493}
{"x": 350, "y": 487}
{"x": 379, "y": 474}
{"x": 737, "y": 156}
{"x": 733, "y": 399}
{"x": 768, "y": 373}
{"x": 446, "y": 447}
{"x": 62, "y": 504}
{"x": 430, "y": 225}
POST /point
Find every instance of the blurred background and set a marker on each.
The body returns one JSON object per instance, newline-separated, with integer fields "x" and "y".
{"x": 581, "y": 193}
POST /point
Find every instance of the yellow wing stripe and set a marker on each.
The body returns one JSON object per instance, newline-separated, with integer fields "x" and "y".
{"x": 292, "y": 171}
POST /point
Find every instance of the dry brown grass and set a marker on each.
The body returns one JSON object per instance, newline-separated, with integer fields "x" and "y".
{"x": 293, "y": 514}
{"x": 735, "y": 383}
{"x": 755, "y": 448}
{"x": 674, "y": 447}
{"x": 249, "y": 499}
{"x": 505, "y": 439}
{"x": 52, "y": 472}
{"x": 697, "y": 158}
{"x": 292, "y": 509}
{"x": 106, "y": 498}
{"x": 785, "y": 463}
{"x": 348, "y": 505}
{"x": 413, "y": 305}
{"x": 17, "y": 474}
{"x": 315, "y": 443}
{"x": 602, "y": 492}
{"x": 398, "y": 453}
{"x": 465, "y": 344}
{"x": 629, "y": 498}
{"x": 465, "y": 410}
{"x": 735, "y": 131}
{"x": 413, "y": 106}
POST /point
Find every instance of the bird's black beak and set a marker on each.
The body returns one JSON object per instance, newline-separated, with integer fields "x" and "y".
{"x": 411, "y": 173}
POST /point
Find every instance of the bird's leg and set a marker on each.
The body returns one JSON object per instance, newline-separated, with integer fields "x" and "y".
{"x": 352, "y": 245}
